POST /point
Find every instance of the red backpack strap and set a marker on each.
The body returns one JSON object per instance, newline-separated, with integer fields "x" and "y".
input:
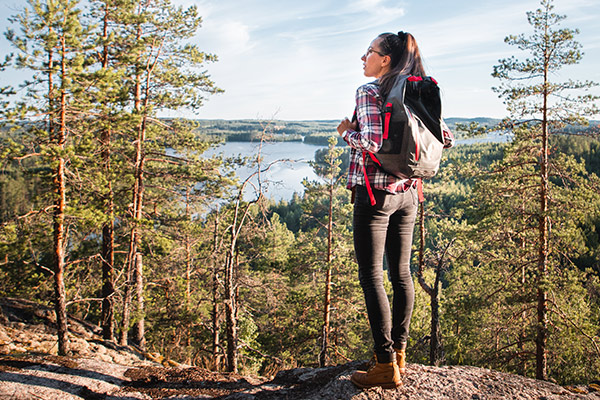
{"x": 374, "y": 159}
{"x": 387, "y": 110}
{"x": 368, "y": 184}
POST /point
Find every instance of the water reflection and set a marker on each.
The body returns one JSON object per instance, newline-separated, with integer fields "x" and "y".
{"x": 283, "y": 179}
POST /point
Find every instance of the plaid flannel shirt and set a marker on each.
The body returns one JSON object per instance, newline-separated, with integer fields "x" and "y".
{"x": 369, "y": 138}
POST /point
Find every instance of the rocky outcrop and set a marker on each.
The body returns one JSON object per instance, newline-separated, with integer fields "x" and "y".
{"x": 28, "y": 328}
{"x": 30, "y": 369}
{"x": 65, "y": 378}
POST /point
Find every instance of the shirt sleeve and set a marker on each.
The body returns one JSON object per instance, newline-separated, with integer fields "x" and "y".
{"x": 369, "y": 135}
{"x": 448, "y": 136}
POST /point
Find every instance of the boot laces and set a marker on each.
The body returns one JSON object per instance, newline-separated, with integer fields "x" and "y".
{"x": 372, "y": 363}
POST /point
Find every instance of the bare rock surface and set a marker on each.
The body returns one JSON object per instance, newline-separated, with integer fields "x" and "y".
{"x": 50, "y": 377}
{"x": 99, "y": 370}
{"x": 27, "y": 327}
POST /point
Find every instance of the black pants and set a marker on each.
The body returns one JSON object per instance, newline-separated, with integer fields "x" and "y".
{"x": 386, "y": 227}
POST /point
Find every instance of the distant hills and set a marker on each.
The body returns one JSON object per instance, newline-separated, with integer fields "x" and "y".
{"x": 484, "y": 121}
{"x": 308, "y": 131}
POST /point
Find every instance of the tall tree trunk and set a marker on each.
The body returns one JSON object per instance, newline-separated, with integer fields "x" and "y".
{"x": 108, "y": 287}
{"x": 134, "y": 266}
{"x": 59, "y": 218}
{"x": 139, "y": 204}
{"x": 136, "y": 259}
{"x": 231, "y": 268}
{"x": 131, "y": 269}
{"x": 141, "y": 105}
{"x": 542, "y": 295}
{"x": 188, "y": 257}
{"x": 436, "y": 349}
{"x": 230, "y": 287}
{"x": 140, "y": 326}
{"x": 134, "y": 274}
{"x": 188, "y": 271}
{"x": 59, "y": 257}
{"x": 108, "y": 239}
{"x": 230, "y": 311}
{"x": 327, "y": 300}
{"x": 127, "y": 295}
{"x": 326, "y": 317}
{"x": 522, "y": 338}
{"x": 216, "y": 325}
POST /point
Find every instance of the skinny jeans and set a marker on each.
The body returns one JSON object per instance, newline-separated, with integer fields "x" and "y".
{"x": 387, "y": 227}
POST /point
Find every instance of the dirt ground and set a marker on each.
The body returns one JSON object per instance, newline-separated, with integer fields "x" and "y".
{"x": 101, "y": 370}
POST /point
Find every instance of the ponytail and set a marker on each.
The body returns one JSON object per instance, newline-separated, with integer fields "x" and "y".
{"x": 405, "y": 59}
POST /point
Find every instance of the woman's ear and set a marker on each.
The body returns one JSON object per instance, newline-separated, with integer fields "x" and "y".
{"x": 386, "y": 61}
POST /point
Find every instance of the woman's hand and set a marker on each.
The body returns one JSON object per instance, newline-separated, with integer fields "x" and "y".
{"x": 345, "y": 125}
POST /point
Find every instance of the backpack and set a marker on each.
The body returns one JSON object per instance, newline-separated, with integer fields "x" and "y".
{"x": 412, "y": 129}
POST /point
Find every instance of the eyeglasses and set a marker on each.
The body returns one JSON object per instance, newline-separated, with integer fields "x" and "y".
{"x": 372, "y": 50}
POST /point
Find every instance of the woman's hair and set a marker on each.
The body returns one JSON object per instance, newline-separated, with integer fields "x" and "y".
{"x": 405, "y": 55}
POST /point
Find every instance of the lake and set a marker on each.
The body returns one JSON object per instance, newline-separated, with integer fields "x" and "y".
{"x": 285, "y": 178}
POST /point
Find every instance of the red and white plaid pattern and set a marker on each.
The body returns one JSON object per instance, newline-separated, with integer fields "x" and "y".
{"x": 369, "y": 138}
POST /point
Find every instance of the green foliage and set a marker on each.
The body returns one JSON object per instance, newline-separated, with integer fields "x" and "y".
{"x": 283, "y": 273}
{"x": 485, "y": 199}
{"x": 493, "y": 279}
{"x": 290, "y": 212}
{"x": 526, "y": 82}
{"x": 529, "y": 206}
{"x": 313, "y": 132}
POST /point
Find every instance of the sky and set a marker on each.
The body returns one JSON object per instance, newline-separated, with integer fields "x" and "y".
{"x": 300, "y": 59}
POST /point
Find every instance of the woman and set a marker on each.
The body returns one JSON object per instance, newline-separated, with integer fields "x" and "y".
{"x": 387, "y": 226}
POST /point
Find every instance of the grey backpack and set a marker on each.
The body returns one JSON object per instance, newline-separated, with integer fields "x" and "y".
{"x": 412, "y": 129}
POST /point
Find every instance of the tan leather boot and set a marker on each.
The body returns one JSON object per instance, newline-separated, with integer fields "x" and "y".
{"x": 385, "y": 375}
{"x": 401, "y": 360}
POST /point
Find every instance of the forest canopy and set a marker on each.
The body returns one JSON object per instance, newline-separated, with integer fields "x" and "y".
{"x": 113, "y": 215}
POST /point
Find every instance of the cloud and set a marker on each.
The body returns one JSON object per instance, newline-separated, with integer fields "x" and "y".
{"x": 376, "y": 12}
{"x": 377, "y": 7}
{"x": 233, "y": 36}
{"x": 301, "y": 59}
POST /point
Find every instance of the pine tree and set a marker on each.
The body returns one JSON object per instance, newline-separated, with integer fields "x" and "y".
{"x": 184, "y": 186}
{"x": 493, "y": 284}
{"x": 239, "y": 212}
{"x": 436, "y": 350}
{"x": 51, "y": 44}
{"x": 551, "y": 106}
{"x": 162, "y": 78}
{"x": 330, "y": 171}
{"x": 324, "y": 203}
{"x": 107, "y": 97}
{"x": 100, "y": 80}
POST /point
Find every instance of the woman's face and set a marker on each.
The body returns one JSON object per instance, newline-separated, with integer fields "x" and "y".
{"x": 375, "y": 63}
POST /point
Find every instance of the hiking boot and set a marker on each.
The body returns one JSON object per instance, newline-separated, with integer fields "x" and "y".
{"x": 385, "y": 375}
{"x": 401, "y": 360}
{"x": 369, "y": 364}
